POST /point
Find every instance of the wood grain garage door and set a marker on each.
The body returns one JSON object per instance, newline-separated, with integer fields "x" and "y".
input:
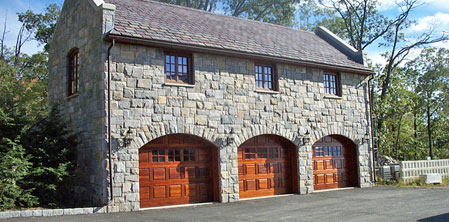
{"x": 265, "y": 167}
{"x": 176, "y": 169}
{"x": 333, "y": 164}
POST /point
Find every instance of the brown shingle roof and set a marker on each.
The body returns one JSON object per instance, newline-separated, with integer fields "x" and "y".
{"x": 164, "y": 22}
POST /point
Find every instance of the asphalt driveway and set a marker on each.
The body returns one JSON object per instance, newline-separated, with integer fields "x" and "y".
{"x": 371, "y": 204}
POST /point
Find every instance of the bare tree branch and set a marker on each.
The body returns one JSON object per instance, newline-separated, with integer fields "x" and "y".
{"x": 2, "y": 50}
{"x": 396, "y": 57}
{"x": 22, "y": 37}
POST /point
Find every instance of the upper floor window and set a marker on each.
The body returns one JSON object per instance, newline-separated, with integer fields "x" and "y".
{"x": 331, "y": 84}
{"x": 178, "y": 68}
{"x": 73, "y": 72}
{"x": 264, "y": 76}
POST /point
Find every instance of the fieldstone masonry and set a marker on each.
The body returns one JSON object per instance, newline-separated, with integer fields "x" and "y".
{"x": 80, "y": 26}
{"x": 223, "y": 106}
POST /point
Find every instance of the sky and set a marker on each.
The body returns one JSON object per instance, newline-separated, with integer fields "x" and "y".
{"x": 433, "y": 13}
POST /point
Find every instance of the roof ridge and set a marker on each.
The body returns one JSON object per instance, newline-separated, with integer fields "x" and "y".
{"x": 226, "y": 16}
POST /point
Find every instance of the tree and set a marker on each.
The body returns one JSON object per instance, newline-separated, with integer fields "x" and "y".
{"x": 362, "y": 23}
{"x": 14, "y": 166}
{"x": 273, "y": 11}
{"x": 395, "y": 36}
{"x": 312, "y": 15}
{"x": 36, "y": 152}
{"x": 205, "y": 5}
{"x": 431, "y": 72}
{"x": 52, "y": 152}
{"x": 2, "y": 40}
{"x": 39, "y": 27}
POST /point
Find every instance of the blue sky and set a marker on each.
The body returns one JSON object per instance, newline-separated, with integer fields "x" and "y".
{"x": 433, "y": 13}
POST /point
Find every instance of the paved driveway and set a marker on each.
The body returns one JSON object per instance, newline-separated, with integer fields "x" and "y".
{"x": 372, "y": 204}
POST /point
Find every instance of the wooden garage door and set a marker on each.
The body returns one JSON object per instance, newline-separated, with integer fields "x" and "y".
{"x": 176, "y": 169}
{"x": 264, "y": 167}
{"x": 333, "y": 164}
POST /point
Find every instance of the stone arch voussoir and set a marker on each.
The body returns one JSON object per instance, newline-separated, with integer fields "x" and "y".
{"x": 348, "y": 133}
{"x": 149, "y": 133}
{"x": 258, "y": 130}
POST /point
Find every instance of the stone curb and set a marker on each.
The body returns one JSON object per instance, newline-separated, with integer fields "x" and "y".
{"x": 52, "y": 212}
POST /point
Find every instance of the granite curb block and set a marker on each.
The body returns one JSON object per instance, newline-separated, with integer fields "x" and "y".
{"x": 52, "y": 212}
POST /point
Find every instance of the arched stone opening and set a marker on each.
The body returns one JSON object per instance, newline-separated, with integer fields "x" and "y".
{"x": 178, "y": 169}
{"x": 335, "y": 163}
{"x": 267, "y": 165}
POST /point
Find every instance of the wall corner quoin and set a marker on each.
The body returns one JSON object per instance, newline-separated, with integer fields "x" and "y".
{"x": 96, "y": 3}
{"x": 108, "y": 14}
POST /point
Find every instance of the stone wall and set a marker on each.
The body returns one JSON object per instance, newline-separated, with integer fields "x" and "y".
{"x": 224, "y": 105}
{"x": 80, "y": 25}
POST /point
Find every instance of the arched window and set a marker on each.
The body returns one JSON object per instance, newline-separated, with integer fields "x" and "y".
{"x": 73, "y": 72}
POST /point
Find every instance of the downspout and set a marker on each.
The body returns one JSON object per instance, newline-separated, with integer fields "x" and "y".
{"x": 109, "y": 122}
{"x": 373, "y": 146}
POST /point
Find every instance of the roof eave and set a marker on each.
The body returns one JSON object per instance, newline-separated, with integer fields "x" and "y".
{"x": 227, "y": 52}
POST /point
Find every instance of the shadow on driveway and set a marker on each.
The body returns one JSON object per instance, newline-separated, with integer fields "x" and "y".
{"x": 439, "y": 218}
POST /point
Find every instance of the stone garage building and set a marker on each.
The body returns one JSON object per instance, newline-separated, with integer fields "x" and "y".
{"x": 205, "y": 107}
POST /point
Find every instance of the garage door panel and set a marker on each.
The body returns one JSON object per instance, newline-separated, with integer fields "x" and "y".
{"x": 159, "y": 192}
{"x": 264, "y": 167}
{"x": 191, "y": 190}
{"x": 320, "y": 179}
{"x": 263, "y": 184}
{"x": 175, "y": 170}
{"x": 143, "y": 157}
{"x": 251, "y": 185}
{"x": 319, "y": 165}
{"x": 158, "y": 174}
{"x": 276, "y": 182}
{"x": 204, "y": 172}
{"x": 250, "y": 169}
{"x": 285, "y": 167}
{"x": 332, "y": 163}
{"x": 204, "y": 189}
{"x": 145, "y": 193}
{"x": 175, "y": 190}
{"x": 174, "y": 173}
{"x": 240, "y": 168}
{"x": 274, "y": 168}
{"x": 190, "y": 172}
{"x": 329, "y": 178}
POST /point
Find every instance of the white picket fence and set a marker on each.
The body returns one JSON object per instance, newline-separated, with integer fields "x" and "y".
{"x": 411, "y": 170}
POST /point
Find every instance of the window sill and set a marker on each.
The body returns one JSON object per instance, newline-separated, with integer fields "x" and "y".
{"x": 72, "y": 96}
{"x": 333, "y": 97}
{"x": 267, "y": 91}
{"x": 179, "y": 85}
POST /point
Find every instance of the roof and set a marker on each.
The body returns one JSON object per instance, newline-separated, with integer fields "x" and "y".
{"x": 149, "y": 20}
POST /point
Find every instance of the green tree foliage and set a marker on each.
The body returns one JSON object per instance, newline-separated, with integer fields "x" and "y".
{"x": 273, "y": 11}
{"x": 311, "y": 15}
{"x": 52, "y": 154}
{"x": 358, "y": 21}
{"x": 36, "y": 151}
{"x": 430, "y": 70}
{"x": 415, "y": 113}
{"x": 14, "y": 167}
{"x": 206, "y": 5}
{"x": 41, "y": 24}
